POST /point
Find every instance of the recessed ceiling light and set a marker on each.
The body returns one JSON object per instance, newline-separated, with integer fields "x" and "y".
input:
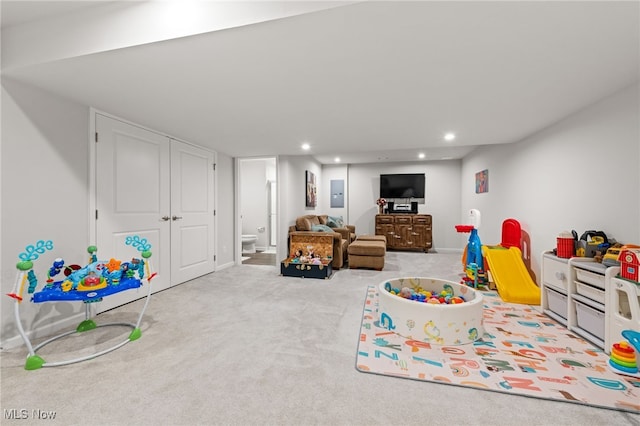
{"x": 421, "y": 155}
{"x": 337, "y": 159}
{"x": 449, "y": 136}
{"x": 306, "y": 146}
{"x": 447, "y": 158}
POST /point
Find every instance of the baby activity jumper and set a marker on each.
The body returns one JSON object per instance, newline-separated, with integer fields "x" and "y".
{"x": 88, "y": 284}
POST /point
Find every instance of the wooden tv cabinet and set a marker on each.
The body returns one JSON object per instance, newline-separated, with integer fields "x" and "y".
{"x": 405, "y": 231}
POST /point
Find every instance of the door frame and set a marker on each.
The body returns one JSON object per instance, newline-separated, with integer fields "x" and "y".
{"x": 238, "y": 208}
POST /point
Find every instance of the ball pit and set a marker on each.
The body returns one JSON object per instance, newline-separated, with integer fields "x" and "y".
{"x": 436, "y": 323}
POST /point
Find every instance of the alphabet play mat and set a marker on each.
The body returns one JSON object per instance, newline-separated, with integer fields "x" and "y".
{"x": 522, "y": 352}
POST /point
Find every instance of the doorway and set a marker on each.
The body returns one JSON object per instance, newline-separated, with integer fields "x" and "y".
{"x": 257, "y": 207}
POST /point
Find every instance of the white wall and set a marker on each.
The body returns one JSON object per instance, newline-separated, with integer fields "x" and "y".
{"x": 329, "y": 173}
{"x": 45, "y": 194}
{"x": 582, "y": 173}
{"x": 442, "y": 197}
{"x": 292, "y": 194}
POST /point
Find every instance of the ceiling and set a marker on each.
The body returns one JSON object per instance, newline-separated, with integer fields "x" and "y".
{"x": 21, "y": 12}
{"x": 368, "y": 82}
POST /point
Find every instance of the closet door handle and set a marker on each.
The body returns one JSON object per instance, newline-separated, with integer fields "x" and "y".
{"x": 176, "y": 217}
{"x": 165, "y": 218}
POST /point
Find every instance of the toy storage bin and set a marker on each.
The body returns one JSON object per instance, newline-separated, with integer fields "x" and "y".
{"x": 596, "y": 280}
{"x": 591, "y": 292}
{"x": 557, "y": 302}
{"x": 554, "y": 272}
{"x": 590, "y": 319}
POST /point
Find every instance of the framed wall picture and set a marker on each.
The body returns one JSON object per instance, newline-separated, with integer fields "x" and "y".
{"x": 482, "y": 181}
{"x": 311, "y": 195}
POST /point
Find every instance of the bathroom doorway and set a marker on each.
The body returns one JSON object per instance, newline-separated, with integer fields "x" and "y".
{"x": 257, "y": 190}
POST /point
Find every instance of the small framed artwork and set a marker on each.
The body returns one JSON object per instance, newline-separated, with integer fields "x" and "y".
{"x": 482, "y": 181}
{"x": 311, "y": 195}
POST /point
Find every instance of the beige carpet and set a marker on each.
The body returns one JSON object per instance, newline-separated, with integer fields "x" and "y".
{"x": 245, "y": 346}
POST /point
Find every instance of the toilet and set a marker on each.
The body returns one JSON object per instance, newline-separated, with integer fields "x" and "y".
{"x": 249, "y": 243}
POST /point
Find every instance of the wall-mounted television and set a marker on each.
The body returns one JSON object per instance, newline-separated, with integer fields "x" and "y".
{"x": 405, "y": 185}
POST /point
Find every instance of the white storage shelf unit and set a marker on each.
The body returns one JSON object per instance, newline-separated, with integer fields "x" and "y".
{"x": 575, "y": 292}
{"x": 555, "y": 287}
{"x": 589, "y": 282}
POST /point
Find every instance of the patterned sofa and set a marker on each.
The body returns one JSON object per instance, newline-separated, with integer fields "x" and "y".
{"x": 342, "y": 236}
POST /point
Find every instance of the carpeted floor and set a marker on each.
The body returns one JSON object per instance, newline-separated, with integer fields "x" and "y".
{"x": 246, "y": 346}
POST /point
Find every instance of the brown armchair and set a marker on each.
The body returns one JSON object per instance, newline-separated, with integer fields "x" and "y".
{"x": 342, "y": 237}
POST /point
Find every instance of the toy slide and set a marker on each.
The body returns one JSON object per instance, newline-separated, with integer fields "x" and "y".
{"x": 511, "y": 276}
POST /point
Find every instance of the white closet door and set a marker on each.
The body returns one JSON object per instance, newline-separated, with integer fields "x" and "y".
{"x": 132, "y": 198}
{"x": 192, "y": 212}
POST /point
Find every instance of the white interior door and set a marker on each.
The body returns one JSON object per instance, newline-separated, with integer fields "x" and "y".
{"x": 132, "y": 198}
{"x": 192, "y": 212}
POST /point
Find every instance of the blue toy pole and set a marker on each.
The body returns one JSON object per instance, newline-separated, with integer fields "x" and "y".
{"x": 474, "y": 250}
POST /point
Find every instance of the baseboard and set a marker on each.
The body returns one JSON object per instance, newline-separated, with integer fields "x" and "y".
{"x": 46, "y": 330}
{"x": 225, "y": 266}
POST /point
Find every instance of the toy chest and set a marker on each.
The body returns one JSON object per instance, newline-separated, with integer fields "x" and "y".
{"x": 590, "y": 319}
{"x": 630, "y": 264}
{"x": 557, "y": 302}
{"x": 320, "y": 245}
{"x": 305, "y": 270}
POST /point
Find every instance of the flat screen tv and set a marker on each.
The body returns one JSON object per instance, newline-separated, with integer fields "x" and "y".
{"x": 406, "y": 185}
